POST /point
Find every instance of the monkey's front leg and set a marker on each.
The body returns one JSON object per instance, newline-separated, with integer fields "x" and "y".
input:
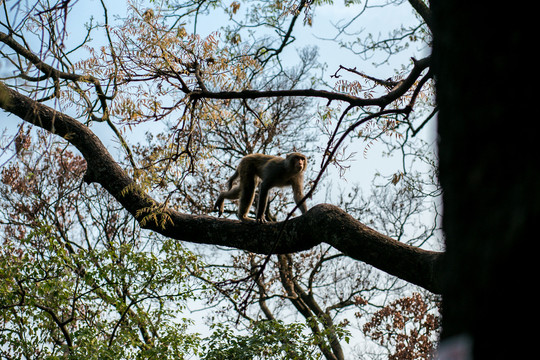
{"x": 298, "y": 193}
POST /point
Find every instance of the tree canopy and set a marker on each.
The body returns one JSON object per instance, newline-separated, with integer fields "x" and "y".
{"x": 123, "y": 134}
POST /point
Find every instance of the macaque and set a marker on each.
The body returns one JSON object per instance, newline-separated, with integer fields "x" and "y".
{"x": 270, "y": 171}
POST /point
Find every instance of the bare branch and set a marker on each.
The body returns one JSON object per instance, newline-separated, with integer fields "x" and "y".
{"x": 382, "y": 101}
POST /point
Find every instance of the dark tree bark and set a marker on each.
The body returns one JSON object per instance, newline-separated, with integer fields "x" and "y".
{"x": 488, "y": 171}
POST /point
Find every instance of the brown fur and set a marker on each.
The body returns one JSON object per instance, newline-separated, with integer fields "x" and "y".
{"x": 270, "y": 171}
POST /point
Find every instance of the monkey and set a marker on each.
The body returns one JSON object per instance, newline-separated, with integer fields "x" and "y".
{"x": 270, "y": 171}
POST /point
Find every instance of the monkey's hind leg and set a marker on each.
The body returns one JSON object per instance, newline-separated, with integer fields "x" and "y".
{"x": 231, "y": 194}
{"x": 247, "y": 194}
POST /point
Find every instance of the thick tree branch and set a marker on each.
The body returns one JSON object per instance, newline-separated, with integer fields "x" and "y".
{"x": 323, "y": 223}
{"x": 423, "y": 10}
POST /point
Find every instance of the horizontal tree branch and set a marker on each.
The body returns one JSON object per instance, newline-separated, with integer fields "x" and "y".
{"x": 323, "y": 223}
{"x": 382, "y": 101}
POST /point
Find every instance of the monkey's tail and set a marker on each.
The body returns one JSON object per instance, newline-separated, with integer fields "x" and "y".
{"x": 231, "y": 180}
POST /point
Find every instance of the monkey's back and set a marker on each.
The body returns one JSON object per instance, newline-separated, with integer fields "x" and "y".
{"x": 253, "y": 164}
{"x": 263, "y": 166}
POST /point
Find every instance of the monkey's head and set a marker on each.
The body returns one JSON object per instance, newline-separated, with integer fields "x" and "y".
{"x": 296, "y": 162}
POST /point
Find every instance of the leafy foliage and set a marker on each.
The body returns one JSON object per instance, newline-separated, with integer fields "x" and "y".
{"x": 265, "y": 340}
{"x": 407, "y": 326}
{"x": 77, "y": 277}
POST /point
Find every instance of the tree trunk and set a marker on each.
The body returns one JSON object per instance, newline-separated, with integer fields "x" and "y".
{"x": 489, "y": 173}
